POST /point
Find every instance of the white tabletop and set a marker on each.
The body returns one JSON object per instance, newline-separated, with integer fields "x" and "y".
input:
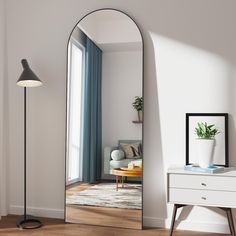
{"x": 229, "y": 171}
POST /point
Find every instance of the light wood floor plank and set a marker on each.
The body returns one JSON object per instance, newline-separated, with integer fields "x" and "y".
{"x": 54, "y": 227}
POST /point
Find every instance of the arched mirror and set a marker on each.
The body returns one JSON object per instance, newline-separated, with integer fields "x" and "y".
{"x": 104, "y": 148}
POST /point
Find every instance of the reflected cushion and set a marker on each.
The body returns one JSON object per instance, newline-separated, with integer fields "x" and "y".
{"x": 131, "y": 150}
{"x": 117, "y": 155}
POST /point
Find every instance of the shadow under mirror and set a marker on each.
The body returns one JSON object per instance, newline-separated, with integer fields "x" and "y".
{"x": 104, "y": 121}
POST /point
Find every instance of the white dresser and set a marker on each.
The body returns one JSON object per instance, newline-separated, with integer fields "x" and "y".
{"x": 202, "y": 189}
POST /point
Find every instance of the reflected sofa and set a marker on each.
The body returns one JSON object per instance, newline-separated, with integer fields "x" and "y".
{"x": 109, "y": 164}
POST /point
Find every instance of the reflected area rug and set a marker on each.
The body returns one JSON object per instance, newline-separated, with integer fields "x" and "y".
{"x": 105, "y": 195}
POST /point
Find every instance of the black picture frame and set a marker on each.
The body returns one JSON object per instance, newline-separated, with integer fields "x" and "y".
{"x": 222, "y": 118}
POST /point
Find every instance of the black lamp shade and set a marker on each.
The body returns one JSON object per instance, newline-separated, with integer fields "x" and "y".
{"x": 28, "y": 78}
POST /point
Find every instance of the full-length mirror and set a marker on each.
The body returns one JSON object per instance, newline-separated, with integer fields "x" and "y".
{"x": 104, "y": 148}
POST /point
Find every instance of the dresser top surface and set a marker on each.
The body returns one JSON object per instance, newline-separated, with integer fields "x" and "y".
{"x": 229, "y": 171}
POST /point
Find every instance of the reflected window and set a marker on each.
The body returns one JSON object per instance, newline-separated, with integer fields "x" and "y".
{"x": 75, "y": 75}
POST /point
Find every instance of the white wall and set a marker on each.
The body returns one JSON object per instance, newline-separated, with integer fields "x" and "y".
{"x": 121, "y": 82}
{"x": 99, "y": 26}
{"x": 1, "y": 89}
{"x": 185, "y": 42}
{"x": 3, "y": 105}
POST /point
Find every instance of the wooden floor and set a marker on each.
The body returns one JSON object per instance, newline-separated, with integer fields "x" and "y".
{"x": 103, "y": 216}
{"x": 54, "y": 227}
{"x": 73, "y": 188}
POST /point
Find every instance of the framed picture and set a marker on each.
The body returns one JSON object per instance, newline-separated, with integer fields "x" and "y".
{"x": 220, "y": 120}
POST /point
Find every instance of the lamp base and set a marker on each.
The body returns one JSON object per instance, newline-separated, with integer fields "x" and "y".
{"x": 28, "y": 222}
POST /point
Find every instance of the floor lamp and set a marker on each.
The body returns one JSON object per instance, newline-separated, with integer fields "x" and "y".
{"x": 27, "y": 79}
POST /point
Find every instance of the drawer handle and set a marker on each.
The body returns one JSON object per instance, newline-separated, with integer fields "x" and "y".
{"x": 203, "y": 198}
{"x": 203, "y": 184}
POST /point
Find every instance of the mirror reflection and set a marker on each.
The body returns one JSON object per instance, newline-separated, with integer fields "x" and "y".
{"x": 104, "y": 121}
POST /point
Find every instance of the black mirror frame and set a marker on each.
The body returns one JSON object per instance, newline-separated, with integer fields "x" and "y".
{"x": 143, "y": 115}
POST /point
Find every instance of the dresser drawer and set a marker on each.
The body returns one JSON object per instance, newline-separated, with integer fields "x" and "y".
{"x": 202, "y": 197}
{"x": 209, "y": 182}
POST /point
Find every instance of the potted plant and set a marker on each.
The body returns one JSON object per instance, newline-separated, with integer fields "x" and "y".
{"x": 206, "y": 143}
{"x": 138, "y": 106}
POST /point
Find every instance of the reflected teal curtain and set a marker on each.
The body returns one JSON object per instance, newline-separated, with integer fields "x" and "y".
{"x": 92, "y": 120}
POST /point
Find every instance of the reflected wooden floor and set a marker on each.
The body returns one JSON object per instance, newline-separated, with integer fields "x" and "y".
{"x": 104, "y": 216}
{"x": 53, "y": 227}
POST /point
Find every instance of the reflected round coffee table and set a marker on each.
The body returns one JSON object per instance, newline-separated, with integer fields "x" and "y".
{"x": 125, "y": 172}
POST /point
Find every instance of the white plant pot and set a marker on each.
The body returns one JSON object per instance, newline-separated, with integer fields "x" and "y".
{"x": 205, "y": 152}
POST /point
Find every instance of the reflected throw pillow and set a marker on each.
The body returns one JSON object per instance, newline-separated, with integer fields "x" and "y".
{"x": 131, "y": 150}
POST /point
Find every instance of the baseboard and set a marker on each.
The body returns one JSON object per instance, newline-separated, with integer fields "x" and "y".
{"x": 187, "y": 225}
{"x": 154, "y": 222}
{"x": 37, "y": 211}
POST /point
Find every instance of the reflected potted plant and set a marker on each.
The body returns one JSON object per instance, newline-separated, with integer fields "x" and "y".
{"x": 206, "y": 143}
{"x": 138, "y": 106}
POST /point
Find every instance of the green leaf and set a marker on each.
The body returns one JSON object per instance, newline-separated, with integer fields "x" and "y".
{"x": 205, "y": 131}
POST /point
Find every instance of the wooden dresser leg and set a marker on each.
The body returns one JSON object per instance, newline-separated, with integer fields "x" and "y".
{"x": 231, "y": 220}
{"x": 173, "y": 219}
{"x": 176, "y": 206}
{"x": 117, "y": 182}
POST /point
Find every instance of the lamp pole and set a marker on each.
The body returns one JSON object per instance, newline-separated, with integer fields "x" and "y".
{"x": 24, "y": 153}
{"x": 27, "y": 79}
